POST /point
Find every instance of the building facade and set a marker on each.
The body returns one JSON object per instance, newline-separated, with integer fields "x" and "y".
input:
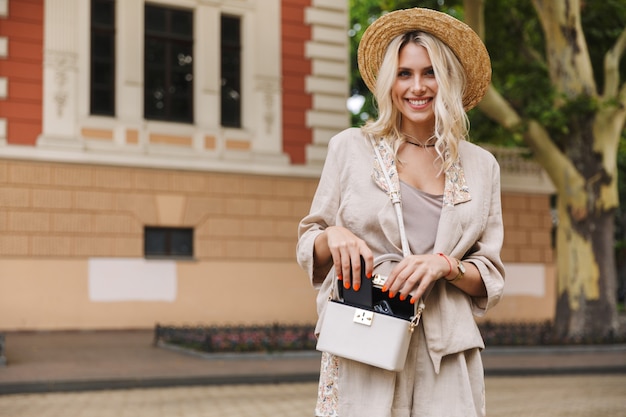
{"x": 156, "y": 157}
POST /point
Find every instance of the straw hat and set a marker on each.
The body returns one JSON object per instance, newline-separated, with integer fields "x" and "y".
{"x": 463, "y": 41}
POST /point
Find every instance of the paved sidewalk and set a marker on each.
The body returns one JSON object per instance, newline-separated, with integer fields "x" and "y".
{"x": 79, "y": 361}
{"x": 107, "y": 374}
{"x": 536, "y": 396}
{"x": 72, "y": 361}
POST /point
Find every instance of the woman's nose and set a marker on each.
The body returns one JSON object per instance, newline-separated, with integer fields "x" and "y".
{"x": 418, "y": 85}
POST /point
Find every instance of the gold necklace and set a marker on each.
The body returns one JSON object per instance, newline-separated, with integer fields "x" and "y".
{"x": 419, "y": 145}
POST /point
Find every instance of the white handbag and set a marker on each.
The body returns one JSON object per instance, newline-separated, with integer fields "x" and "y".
{"x": 365, "y": 336}
{"x": 360, "y": 334}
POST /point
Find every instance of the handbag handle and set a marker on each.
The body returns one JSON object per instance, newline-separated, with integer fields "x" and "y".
{"x": 394, "y": 195}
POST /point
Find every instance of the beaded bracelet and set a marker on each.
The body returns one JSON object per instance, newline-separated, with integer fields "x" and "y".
{"x": 449, "y": 264}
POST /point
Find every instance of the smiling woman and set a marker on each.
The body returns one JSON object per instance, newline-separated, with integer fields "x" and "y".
{"x": 416, "y": 63}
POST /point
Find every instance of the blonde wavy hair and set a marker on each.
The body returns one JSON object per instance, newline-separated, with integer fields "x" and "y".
{"x": 451, "y": 122}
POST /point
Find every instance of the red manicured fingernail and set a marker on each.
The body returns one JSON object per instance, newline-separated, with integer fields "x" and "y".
{"x": 356, "y": 287}
{"x": 392, "y": 294}
{"x": 346, "y": 285}
{"x": 384, "y": 288}
{"x": 369, "y": 275}
{"x": 402, "y": 297}
{"x": 412, "y": 301}
{"x": 340, "y": 277}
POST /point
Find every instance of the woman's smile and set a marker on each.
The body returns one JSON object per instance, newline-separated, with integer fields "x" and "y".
{"x": 418, "y": 103}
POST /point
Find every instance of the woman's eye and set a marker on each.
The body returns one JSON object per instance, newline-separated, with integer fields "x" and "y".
{"x": 404, "y": 73}
{"x": 430, "y": 72}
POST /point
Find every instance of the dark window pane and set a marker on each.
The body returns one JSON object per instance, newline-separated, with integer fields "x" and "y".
{"x": 102, "y": 12}
{"x": 231, "y": 32}
{"x": 102, "y": 103}
{"x": 102, "y": 59}
{"x": 182, "y": 242}
{"x": 156, "y": 19}
{"x": 156, "y": 242}
{"x": 101, "y": 77}
{"x": 155, "y": 53}
{"x": 168, "y": 242}
{"x": 231, "y": 71}
{"x": 182, "y": 23}
{"x": 102, "y": 46}
{"x": 168, "y": 65}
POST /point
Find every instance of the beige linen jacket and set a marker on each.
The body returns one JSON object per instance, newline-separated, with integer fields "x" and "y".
{"x": 470, "y": 228}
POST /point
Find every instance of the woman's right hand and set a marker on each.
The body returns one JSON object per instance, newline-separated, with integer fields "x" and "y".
{"x": 345, "y": 249}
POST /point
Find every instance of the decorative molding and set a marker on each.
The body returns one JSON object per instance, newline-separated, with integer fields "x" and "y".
{"x": 159, "y": 157}
{"x": 237, "y": 145}
{"x": 210, "y": 142}
{"x": 520, "y": 173}
{"x": 132, "y": 136}
{"x": 269, "y": 88}
{"x": 329, "y": 83}
{"x": 3, "y": 132}
{"x": 61, "y": 63}
{"x": 101, "y": 134}
{"x": 331, "y": 4}
{"x": 4, "y": 47}
{"x": 175, "y": 140}
{"x": 4, "y": 87}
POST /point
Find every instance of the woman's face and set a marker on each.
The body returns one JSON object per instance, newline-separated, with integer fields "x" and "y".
{"x": 415, "y": 87}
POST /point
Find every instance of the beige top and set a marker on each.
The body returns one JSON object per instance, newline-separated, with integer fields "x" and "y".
{"x": 421, "y": 216}
{"x": 469, "y": 228}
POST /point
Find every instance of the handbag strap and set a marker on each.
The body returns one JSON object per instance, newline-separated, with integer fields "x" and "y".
{"x": 394, "y": 195}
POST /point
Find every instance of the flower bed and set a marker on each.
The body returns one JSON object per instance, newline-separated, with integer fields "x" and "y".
{"x": 270, "y": 338}
{"x": 289, "y": 338}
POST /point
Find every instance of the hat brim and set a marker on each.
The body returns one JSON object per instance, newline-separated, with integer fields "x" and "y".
{"x": 460, "y": 38}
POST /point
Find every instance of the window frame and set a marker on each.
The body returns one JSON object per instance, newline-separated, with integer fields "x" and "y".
{"x": 168, "y": 252}
{"x": 97, "y": 28}
{"x": 169, "y": 40}
{"x": 230, "y": 75}
{"x": 146, "y": 142}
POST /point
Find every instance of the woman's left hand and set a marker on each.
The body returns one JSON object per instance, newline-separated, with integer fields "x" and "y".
{"x": 412, "y": 276}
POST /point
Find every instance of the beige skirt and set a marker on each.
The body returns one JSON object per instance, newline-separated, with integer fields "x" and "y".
{"x": 352, "y": 389}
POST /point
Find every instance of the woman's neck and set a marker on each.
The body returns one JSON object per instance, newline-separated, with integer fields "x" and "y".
{"x": 418, "y": 134}
{"x": 422, "y": 140}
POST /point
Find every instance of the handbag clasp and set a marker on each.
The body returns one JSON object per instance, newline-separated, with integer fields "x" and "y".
{"x": 378, "y": 280}
{"x": 364, "y": 317}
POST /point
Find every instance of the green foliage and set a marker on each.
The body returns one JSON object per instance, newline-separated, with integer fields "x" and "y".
{"x": 515, "y": 43}
{"x": 603, "y": 21}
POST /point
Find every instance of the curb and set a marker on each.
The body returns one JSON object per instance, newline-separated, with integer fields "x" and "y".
{"x": 139, "y": 383}
{"x": 535, "y": 367}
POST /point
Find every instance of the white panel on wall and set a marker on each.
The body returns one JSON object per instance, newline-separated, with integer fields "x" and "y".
{"x": 525, "y": 279}
{"x": 4, "y": 46}
{"x": 116, "y": 279}
{"x": 3, "y": 87}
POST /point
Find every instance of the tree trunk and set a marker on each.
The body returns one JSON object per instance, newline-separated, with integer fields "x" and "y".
{"x": 586, "y": 285}
{"x": 586, "y": 306}
{"x": 582, "y": 167}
